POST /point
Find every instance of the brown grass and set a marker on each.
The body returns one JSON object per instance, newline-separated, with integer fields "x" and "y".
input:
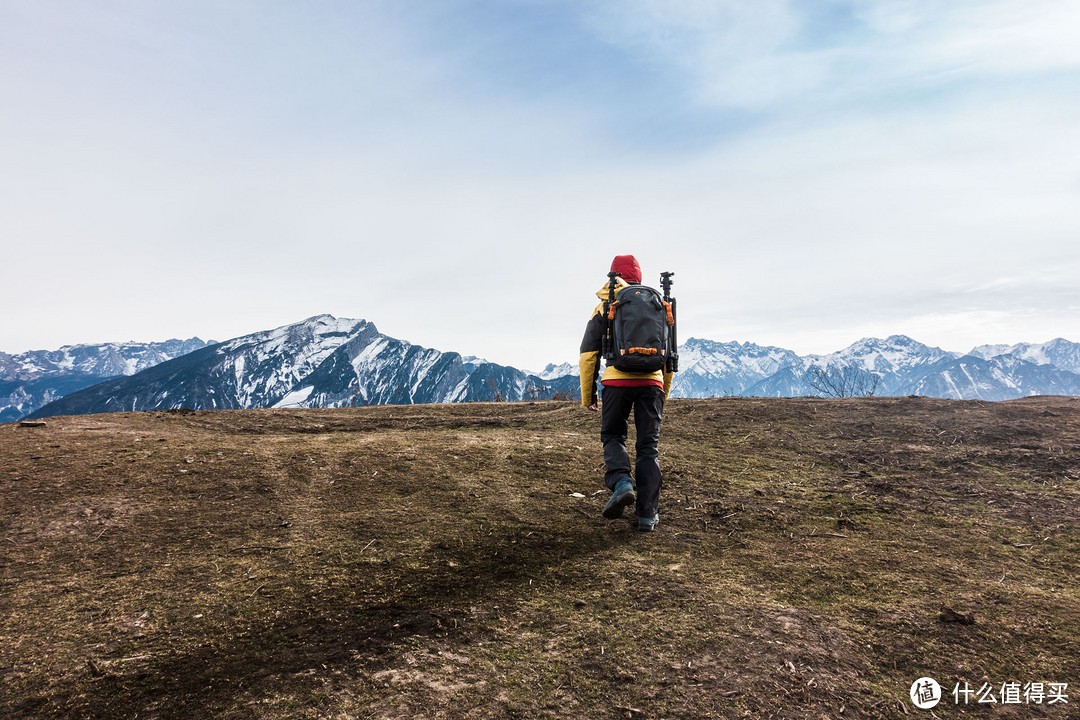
{"x": 430, "y": 562}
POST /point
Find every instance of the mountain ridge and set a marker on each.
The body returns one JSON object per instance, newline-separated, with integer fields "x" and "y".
{"x": 321, "y": 361}
{"x": 324, "y": 361}
{"x": 31, "y": 380}
{"x": 893, "y": 366}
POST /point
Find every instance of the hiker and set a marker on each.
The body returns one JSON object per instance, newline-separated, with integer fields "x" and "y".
{"x": 643, "y": 392}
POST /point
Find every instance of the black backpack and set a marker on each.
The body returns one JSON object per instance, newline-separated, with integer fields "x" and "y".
{"x": 639, "y": 336}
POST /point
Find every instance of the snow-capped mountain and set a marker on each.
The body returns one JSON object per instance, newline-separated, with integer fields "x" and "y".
{"x": 1060, "y": 353}
{"x": 552, "y": 371}
{"x": 33, "y": 379}
{"x": 896, "y": 365}
{"x": 894, "y": 354}
{"x": 894, "y": 360}
{"x": 789, "y": 381}
{"x": 471, "y": 362}
{"x": 710, "y": 369}
{"x": 105, "y": 360}
{"x": 1001, "y": 377}
{"x": 330, "y": 362}
{"x": 320, "y": 362}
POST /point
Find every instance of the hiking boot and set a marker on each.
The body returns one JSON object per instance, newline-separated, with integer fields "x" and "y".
{"x": 623, "y": 496}
{"x": 647, "y": 524}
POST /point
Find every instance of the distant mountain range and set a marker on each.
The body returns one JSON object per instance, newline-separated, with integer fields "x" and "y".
{"x": 330, "y": 362}
{"x": 320, "y": 362}
{"x": 33, "y": 379}
{"x": 896, "y": 365}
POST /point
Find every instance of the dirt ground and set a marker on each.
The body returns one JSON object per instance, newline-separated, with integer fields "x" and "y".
{"x": 451, "y": 562}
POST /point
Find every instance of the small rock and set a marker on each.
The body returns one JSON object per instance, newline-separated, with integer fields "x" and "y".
{"x": 948, "y": 615}
{"x": 579, "y": 603}
{"x": 577, "y": 495}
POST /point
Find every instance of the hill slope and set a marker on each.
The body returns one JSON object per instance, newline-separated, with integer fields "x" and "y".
{"x": 431, "y": 561}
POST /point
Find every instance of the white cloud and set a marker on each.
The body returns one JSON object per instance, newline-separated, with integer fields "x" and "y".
{"x": 763, "y": 54}
{"x": 977, "y": 37}
{"x": 734, "y": 52}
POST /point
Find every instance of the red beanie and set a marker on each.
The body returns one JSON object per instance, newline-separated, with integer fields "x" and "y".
{"x": 627, "y": 268}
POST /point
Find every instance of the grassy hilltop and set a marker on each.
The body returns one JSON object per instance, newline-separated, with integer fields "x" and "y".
{"x": 432, "y": 562}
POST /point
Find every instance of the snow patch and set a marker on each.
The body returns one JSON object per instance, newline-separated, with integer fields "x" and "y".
{"x": 553, "y": 371}
{"x": 296, "y": 398}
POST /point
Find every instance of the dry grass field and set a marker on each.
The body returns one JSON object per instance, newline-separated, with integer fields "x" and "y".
{"x": 441, "y": 562}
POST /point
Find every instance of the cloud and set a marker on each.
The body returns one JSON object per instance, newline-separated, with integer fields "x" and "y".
{"x": 772, "y": 53}
{"x": 733, "y": 52}
{"x": 1003, "y": 37}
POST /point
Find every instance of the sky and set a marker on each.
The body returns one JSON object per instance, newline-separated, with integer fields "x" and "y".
{"x": 462, "y": 172}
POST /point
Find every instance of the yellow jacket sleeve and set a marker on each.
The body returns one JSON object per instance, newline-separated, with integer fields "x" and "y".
{"x": 589, "y": 368}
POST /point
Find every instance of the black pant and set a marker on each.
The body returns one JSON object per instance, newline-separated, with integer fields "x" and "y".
{"x": 648, "y": 406}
